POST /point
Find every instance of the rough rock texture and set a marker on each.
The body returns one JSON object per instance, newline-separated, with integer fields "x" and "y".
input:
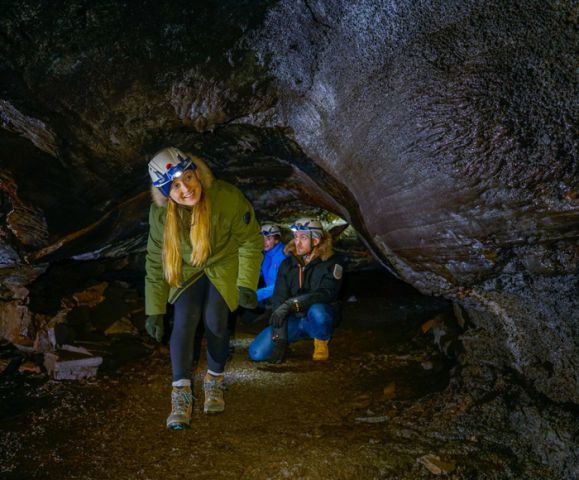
{"x": 444, "y": 132}
{"x": 463, "y": 118}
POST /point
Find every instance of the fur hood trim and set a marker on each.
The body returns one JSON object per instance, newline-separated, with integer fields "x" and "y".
{"x": 324, "y": 251}
{"x": 205, "y": 176}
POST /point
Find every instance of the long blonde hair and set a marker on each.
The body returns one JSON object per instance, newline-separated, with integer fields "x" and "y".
{"x": 199, "y": 235}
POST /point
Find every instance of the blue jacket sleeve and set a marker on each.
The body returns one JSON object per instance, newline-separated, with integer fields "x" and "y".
{"x": 265, "y": 292}
{"x": 270, "y": 269}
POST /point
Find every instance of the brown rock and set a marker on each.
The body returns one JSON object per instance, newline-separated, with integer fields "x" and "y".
{"x": 92, "y": 296}
{"x": 14, "y": 322}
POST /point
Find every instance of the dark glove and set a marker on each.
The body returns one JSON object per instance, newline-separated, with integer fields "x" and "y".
{"x": 154, "y": 326}
{"x": 247, "y": 298}
{"x": 279, "y": 351}
{"x": 279, "y": 316}
{"x": 301, "y": 303}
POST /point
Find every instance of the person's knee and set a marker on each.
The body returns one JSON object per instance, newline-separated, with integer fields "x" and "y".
{"x": 217, "y": 326}
{"x": 257, "y": 352}
{"x": 320, "y": 314}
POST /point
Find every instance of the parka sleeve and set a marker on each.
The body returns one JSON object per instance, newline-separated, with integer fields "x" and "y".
{"x": 156, "y": 288}
{"x": 246, "y": 229}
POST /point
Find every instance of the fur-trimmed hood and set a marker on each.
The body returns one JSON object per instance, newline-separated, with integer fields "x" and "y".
{"x": 205, "y": 176}
{"x": 324, "y": 250}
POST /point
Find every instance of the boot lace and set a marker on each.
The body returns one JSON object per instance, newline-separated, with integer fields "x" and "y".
{"x": 181, "y": 401}
{"x": 214, "y": 389}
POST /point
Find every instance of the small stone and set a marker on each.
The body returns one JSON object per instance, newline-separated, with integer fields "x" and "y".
{"x": 427, "y": 325}
{"x": 435, "y": 465}
{"x": 4, "y": 362}
{"x": 379, "y": 419}
{"x": 389, "y": 390}
{"x": 426, "y": 365}
{"x": 29, "y": 367}
{"x": 121, "y": 326}
{"x": 91, "y": 296}
{"x": 361, "y": 401}
{"x": 72, "y": 348}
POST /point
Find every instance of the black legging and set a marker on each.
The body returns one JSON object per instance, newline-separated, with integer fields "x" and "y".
{"x": 200, "y": 298}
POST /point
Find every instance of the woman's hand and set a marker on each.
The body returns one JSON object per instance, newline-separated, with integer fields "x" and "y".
{"x": 154, "y": 326}
{"x": 247, "y": 298}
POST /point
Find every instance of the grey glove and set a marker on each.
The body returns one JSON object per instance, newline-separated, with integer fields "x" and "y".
{"x": 247, "y": 298}
{"x": 154, "y": 326}
{"x": 279, "y": 316}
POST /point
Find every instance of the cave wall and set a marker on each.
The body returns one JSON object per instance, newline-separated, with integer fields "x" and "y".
{"x": 452, "y": 125}
{"x": 443, "y": 132}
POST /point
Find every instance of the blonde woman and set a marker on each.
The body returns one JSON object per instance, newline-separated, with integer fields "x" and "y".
{"x": 203, "y": 256}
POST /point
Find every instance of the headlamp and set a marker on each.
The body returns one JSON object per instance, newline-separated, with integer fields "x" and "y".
{"x": 304, "y": 227}
{"x": 174, "y": 171}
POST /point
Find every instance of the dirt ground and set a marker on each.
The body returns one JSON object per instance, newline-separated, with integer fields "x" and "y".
{"x": 364, "y": 414}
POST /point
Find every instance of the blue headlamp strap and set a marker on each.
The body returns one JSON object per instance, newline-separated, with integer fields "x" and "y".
{"x": 175, "y": 171}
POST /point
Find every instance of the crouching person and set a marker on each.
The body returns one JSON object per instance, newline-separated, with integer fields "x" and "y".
{"x": 308, "y": 282}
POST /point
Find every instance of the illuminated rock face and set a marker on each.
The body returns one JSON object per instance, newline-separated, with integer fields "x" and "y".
{"x": 444, "y": 134}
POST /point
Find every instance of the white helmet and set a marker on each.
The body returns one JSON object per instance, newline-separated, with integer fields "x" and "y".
{"x": 166, "y": 165}
{"x": 311, "y": 225}
{"x": 270, "y": 229}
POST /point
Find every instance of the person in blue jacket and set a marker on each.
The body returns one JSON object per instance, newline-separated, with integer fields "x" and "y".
{"x": 273, "y": 255}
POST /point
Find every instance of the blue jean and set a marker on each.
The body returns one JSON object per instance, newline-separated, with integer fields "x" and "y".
{"x": 318, "y": 323}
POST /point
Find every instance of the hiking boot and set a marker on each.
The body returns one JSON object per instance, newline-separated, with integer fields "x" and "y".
{"x": 213, "y": 386}
{"x": 181, "y": 408}
{"x": 321, "y": 350}
{"x": 279, "y": 351}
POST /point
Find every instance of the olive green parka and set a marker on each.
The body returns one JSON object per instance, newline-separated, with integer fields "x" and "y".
{"x": 236, "y": 246}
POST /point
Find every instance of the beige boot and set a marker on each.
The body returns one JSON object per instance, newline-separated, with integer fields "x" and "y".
{"x": 181, "y": 408}
{"x": 213, "y": 386}
{"x": 321, "y": 350}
